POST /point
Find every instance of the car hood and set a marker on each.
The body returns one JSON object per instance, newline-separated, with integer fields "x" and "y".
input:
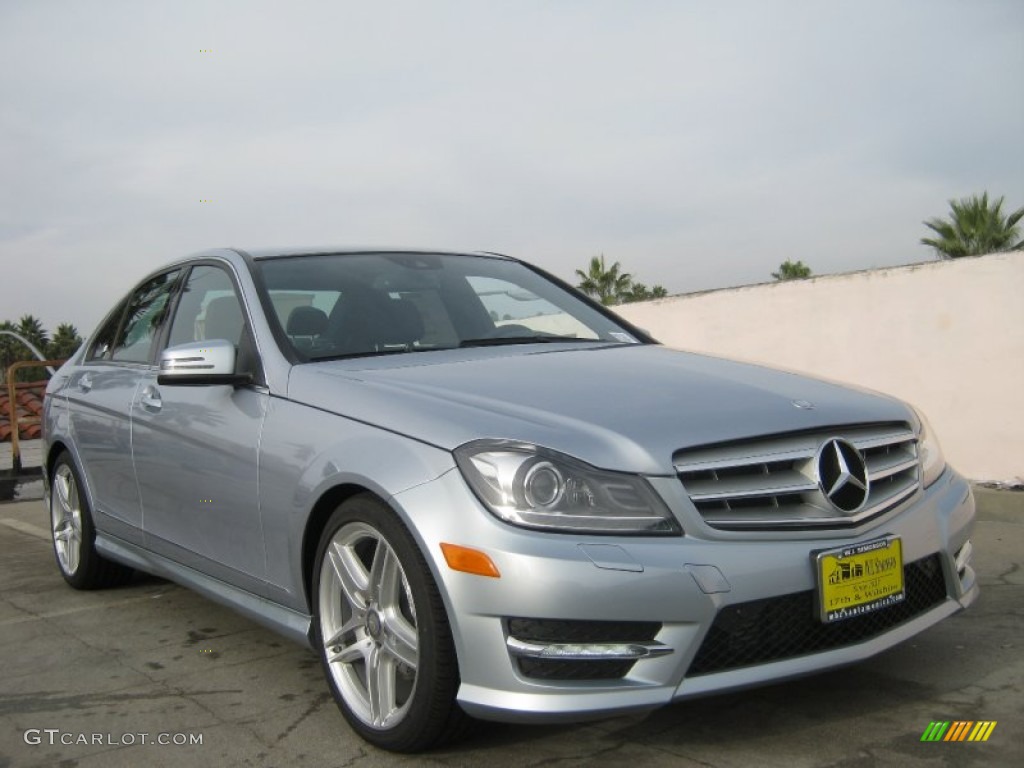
{"x": 625, "y": 407}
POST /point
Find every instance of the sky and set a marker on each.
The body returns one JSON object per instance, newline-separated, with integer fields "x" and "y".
{"x": 698, "y": 143}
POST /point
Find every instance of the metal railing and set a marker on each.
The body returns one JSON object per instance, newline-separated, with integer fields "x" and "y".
{"x": 12, "y": 405}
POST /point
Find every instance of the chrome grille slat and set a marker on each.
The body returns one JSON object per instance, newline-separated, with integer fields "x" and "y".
{"x": 877, "y": 441}
{"x": 878, "y": 502}
{"x": 771, "y": 483}
{"x": 879, "y": 469}
{"x": 760, "y": 485}
{"x": 698, "y": 465}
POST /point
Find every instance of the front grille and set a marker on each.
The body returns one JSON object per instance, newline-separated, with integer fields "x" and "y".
{"x": 785, "y": 627}
{"x": 581, "y": 632}
{"x": 772, "y": 483}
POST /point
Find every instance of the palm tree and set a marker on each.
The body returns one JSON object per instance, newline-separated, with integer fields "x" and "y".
{"x": 14, "y": 349}
{"x": 607, "y": 284}
{"x": 792, "y": 270}
{"x": 64, "y": 342}
{"x": 11, "y": 350}
{"x": 975, "y": 227}
{"x": 32, "y": 329}
{"x": 640, "y": 292}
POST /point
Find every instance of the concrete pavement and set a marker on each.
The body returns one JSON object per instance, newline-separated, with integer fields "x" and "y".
{"x": 153, "y": 658}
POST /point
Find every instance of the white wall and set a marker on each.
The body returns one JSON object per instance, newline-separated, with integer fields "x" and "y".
{"x": 946, "y": 336}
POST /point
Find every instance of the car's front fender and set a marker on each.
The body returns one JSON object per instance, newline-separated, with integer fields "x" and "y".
{"x": 305, "y": 453}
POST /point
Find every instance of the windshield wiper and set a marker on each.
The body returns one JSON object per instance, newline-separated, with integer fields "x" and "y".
{"x": 497, "y": 341}
{"x": 371, "y": 353}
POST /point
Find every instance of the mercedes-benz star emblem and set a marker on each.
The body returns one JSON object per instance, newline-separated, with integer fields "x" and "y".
{"x": 842, "y": 475}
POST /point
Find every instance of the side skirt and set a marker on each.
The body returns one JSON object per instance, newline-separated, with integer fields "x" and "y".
{"x": 292, "y": 624}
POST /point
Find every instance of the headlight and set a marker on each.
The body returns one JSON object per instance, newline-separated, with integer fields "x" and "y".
{"x": 537, "y": 488}
{"x": 932, "y": 461}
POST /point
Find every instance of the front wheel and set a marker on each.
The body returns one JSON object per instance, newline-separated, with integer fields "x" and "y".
{"x": 384, "y": 638}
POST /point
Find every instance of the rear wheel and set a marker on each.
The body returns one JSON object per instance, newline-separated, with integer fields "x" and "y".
{"x": 383, "y": 633}
{"x": 73, "y": 533}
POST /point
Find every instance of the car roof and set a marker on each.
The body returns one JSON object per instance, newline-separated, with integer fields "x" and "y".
{"x": 238, "y": 256}
{"x": 271, "y": 253}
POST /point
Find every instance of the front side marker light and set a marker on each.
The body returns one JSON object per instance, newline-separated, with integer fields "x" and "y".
{"x": 469, "y": 560}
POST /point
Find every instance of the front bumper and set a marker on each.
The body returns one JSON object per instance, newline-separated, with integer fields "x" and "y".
{"x": 679, "y": 583}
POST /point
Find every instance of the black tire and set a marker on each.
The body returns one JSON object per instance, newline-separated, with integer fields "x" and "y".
{"x": 376, "y": 626}
{"x": 73, "y": 535}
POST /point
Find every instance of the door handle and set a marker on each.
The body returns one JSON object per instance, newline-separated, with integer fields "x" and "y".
{"x": 150, "y": 399}
{"x": 85, "y": 382}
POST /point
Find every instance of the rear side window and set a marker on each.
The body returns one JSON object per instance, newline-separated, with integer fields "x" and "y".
{"x": 104, "y": 340}
{"x": 147, "y": 309}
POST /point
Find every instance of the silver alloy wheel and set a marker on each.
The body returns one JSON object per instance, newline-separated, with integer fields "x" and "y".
{"x": 368, "y": 625}
{"x": 66, "y": 519}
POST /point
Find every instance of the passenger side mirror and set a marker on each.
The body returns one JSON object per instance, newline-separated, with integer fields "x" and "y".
{"x": 200, "y": 363}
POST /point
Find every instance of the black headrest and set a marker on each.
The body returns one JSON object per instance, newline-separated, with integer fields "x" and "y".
{"x": 306, "y": 321}
{"x": 224, "y": 319}
{"x": 367, "y": 320}
{"x": 405, "y": 325}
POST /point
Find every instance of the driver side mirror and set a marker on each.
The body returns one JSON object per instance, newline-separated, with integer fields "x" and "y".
{"x": 200, "y": 363}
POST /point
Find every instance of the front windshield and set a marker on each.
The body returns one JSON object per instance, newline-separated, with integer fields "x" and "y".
{"x": 351, "y": 305}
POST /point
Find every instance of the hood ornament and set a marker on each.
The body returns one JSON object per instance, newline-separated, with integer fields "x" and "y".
{"x": 804, "y": 405}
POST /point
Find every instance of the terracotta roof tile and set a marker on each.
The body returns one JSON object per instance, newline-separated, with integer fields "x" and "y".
{"x": 28, "y": 399}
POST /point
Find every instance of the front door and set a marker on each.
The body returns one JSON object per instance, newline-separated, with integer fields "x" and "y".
{"x": 196, "y": 447}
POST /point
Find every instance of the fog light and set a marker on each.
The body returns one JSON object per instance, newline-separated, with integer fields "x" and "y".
{"x": 587, "y": 651}
{"x": 593, "y": 651}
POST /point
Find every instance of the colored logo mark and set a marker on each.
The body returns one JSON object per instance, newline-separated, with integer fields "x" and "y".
{"x": 959, "y": 730}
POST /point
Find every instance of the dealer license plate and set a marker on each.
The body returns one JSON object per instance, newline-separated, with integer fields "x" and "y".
{"x": 859, "y": 579}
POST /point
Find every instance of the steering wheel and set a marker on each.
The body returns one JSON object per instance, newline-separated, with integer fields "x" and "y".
{"x": 513, "y": 329}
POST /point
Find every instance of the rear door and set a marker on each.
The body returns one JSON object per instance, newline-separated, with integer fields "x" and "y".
{"x": 100, "y": 396}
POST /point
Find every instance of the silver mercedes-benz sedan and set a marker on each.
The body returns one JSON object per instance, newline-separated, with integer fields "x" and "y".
{"x": 478, "y": 494}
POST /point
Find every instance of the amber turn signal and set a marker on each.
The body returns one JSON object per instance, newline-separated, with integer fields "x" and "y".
{"x": 469, "y": 561}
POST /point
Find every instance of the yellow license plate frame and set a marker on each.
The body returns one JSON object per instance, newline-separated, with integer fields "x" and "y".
{"x": 859, "y": 578}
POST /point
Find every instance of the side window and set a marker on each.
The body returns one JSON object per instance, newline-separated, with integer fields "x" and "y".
{"x": 209, "y": 309}
{"x": 146, "y": 311}
{"x": 104, "y": 341}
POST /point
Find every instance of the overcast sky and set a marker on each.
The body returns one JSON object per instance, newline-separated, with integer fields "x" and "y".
{"x": 699, "y": 143}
